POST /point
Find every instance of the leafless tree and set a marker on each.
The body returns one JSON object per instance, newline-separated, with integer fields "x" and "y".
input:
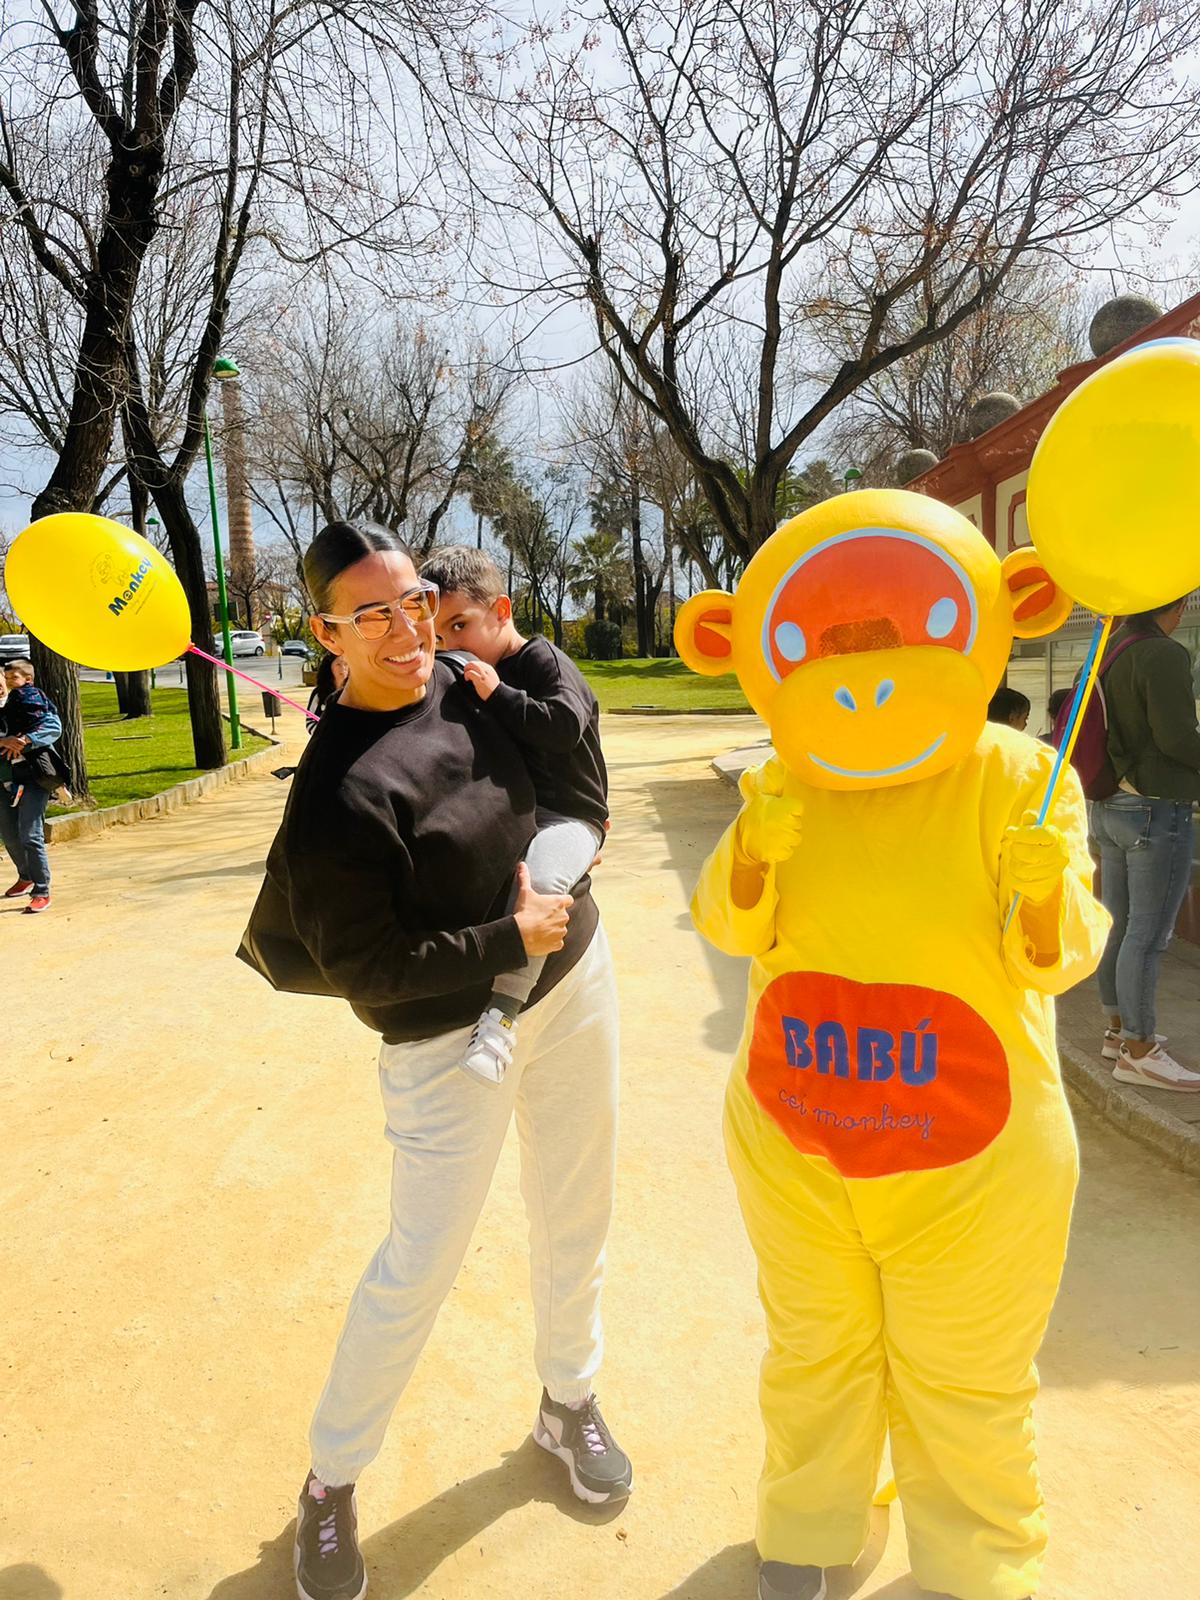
{"x": 279, "y": 125}
{"x": 718, "y": 174}
{"x": 1018, "y": 343}
{"x": 363, "y": 414}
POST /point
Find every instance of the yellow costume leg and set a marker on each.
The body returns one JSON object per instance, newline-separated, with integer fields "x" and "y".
{"x": 966, "y": 1302}
{"x": 822, "y": 1386}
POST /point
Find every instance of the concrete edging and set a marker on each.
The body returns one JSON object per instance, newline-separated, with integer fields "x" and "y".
{"x": 81, "y": 824}
{"x": 1125, "y": 1109}
{"x": 680, "y": 711}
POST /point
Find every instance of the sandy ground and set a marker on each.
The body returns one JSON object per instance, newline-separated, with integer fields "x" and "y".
{"x": 194, "y": 1175}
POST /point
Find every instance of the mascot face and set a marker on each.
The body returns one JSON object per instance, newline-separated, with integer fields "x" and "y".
{"x": 869, "y": 633}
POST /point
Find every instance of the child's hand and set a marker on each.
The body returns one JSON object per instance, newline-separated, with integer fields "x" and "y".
{"x": 482, "y": 677}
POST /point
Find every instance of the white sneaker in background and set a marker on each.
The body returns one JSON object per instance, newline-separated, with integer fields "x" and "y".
{"x": 1156, "y": 1070}
{"x": 1111, "y": 1048}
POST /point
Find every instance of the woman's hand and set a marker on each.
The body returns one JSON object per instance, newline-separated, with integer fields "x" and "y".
{"x": 541, "y": 918}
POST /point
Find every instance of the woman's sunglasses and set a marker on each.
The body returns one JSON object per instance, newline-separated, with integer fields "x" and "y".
{"x": 375, "y": 622}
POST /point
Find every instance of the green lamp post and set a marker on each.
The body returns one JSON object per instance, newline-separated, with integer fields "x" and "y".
{"x": 222, "y": 369}
{"x": 851, "y": 475}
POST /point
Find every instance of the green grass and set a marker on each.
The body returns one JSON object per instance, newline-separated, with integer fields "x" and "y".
{"x": 665, "y": 684}
{"x": 130, "y": 760}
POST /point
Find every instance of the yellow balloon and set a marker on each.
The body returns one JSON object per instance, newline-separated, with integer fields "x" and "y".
{"x": 97, "y": 593}
{"x": 1114, "y": 487}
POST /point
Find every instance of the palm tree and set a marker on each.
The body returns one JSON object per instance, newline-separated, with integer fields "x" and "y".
{"x": 601, "y": 574}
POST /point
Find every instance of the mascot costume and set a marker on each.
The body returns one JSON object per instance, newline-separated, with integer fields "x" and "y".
{"x": 895, "y": 1120}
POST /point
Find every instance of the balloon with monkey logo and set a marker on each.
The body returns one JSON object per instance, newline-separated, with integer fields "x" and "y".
{"x": 895, "y": 1120}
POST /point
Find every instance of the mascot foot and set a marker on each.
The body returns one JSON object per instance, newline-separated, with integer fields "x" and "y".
{"x": 779, "y": 1581}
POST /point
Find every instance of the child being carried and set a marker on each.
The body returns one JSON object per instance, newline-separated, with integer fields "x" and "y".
{"x": 540, "y": 697}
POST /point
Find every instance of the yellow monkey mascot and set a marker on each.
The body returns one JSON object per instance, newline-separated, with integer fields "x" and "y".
{"x": 895, "y": 1120}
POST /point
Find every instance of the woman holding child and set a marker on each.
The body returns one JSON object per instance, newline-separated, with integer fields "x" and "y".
{"x": 411, "y": 812}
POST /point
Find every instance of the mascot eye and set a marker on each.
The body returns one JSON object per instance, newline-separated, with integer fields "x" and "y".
{"x": 790, "y": 641}
{"x": 943, "y": 615}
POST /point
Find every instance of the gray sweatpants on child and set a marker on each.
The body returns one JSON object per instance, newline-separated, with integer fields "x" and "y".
{"x": 559, "y": 854}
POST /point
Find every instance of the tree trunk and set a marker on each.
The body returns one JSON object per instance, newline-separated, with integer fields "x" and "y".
{"x": 641, "y": 620}
{"x": 669, "y": 552}
{"x": 134, "y": 701}
{"x": 240, "y": 521}
{"x": 58, "y": 678}
{"x": 133, "y": 688}
{"x": 131, "y": 180}
{"x": 204, "y": 703}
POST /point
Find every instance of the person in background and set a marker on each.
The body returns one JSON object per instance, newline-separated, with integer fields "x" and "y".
{"x": 1053, "y": 706}
{"x": 542, "y": 700}
{"x": 331, "y": 679}
{"x": 29, "y": 721}
{"x": 1010, "y": 707}
{"x": 1144, "y": 835}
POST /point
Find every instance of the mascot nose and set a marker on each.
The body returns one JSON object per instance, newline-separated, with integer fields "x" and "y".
{"x": 884, "y": 691}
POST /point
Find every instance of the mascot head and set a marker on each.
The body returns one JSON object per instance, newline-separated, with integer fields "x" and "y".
{"x": 869, "y": 633}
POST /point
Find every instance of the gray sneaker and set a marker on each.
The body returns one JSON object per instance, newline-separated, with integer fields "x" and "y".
{"x": 600, "y": 1470}
{"x": 779, "y": 1581}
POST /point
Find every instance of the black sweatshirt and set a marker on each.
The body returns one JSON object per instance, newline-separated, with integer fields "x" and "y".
{"x": 545, "y": 702}
{"x": 399, "y": 845}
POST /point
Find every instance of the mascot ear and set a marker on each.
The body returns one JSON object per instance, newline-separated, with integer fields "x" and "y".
{"x": 1039, "y": 605}
{"x": 704, "y": 632}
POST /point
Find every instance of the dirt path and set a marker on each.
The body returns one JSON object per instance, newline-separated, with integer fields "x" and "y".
{"x": 194, "y": 1176}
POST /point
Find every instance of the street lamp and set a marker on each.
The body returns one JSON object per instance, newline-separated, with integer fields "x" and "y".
{"x": 851, "y": 475}
{"x": 222, "y": 369}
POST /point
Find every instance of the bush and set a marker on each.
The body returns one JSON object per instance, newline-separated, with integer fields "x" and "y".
{"x": 602, "y": 641}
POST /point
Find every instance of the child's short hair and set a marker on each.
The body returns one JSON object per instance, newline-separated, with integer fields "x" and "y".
{"x": 22, "y": 665}
{"x": 458, "y": 569}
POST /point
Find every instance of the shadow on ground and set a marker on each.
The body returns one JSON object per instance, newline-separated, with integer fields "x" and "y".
{"x": 693, "y": 812}
{"x": 27, "y": 1582}
{"x": 732, "y": 1574}
{"x": 402, "y": 1556}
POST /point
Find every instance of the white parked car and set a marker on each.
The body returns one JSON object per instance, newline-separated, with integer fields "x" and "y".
{"x": 13, "y": 646}
{"x": 247, "y": 643}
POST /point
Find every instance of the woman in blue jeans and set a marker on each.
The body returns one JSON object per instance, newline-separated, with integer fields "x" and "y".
{"x": 1144, "y": 835}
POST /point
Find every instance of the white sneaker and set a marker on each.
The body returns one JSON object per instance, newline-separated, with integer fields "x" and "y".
{"x": 1111, "y": 1048}
{"x": 1156, "y": 1070}
{"x": 490, "y": 1050}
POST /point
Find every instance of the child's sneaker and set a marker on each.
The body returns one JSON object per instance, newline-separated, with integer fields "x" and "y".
{"x": 578, "y": 1435}
{"x": 329, "y": 1564}
{"x": 39, "y": 902}
{"x": 489, "y": 1053}
{"x": 1156, "y": 1070}
{"x": 22, "y": 886}
{"x": 1110, "y": 1050}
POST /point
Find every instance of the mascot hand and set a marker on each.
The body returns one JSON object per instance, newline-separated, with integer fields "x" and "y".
{"x": 768, "y": 829}
{"x": 1033, "y": 861}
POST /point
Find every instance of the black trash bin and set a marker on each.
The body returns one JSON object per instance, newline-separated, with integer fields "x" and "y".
{"x": 272, "y": 705}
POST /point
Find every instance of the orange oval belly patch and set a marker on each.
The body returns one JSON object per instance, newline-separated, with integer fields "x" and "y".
{"x": 877, "y": 1077}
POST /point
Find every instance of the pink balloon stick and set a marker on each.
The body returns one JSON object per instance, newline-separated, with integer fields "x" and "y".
{"x": 195, "y": 650}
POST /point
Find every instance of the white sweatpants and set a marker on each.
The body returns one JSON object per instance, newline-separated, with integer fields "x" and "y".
{"x": 448, "y": 1130}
